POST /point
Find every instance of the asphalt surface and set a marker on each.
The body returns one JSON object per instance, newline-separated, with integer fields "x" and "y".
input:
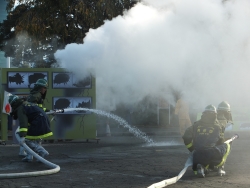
{"x": 122, "y": 161}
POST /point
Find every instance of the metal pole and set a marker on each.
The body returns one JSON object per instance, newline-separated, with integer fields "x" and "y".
{"x": 8, "y": 62}
{"x": 169, "y": 114}
{"x": 158, "y": 111}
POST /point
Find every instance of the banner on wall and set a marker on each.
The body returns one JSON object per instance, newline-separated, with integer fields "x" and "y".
{"x": 24, "y": 79}
{"x": 6, "y": 105}
{"x": 69, "y": 80}
{"x": 72, "y": 102}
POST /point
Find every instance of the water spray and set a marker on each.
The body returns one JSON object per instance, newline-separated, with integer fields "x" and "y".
{"x": 132, "y": 129}
{"x": 56, "y": 168}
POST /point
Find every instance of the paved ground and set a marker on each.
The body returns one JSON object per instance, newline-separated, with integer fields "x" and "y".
{"x": 122, "y": 161}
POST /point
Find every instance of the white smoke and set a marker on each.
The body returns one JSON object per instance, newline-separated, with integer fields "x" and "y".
{"x": 198, "y": 47}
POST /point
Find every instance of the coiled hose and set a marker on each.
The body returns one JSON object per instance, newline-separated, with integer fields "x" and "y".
{"x": 55, "y": 168}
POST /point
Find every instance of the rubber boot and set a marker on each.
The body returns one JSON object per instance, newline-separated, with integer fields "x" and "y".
{"x": 22, "y": 152}
{"x": 28, "y": 158}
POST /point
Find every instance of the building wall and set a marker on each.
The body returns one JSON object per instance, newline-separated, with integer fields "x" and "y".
{"x": 64, "y": 92}
{"x": 3, "y": 15}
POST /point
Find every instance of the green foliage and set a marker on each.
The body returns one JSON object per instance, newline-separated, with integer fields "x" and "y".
{"x": 35, "y": 29}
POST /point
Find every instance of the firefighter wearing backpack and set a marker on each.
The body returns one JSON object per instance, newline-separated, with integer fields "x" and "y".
{"x": 206, "y": 140}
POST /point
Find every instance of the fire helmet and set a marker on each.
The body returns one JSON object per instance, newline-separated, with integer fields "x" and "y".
{"x": 224, "y": 106}
{"x": 42, "y": 82}
{"x": 210, "y": 108}
{"x": 12, "y": 99}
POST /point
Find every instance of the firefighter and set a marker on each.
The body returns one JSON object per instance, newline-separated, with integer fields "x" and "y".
{"x": 39, "y": 125}
{"x": 206, "y": 140}
{"x": 36, "y": 96}
{"x": 224, "y": 115}
{"x": 182, "y": 111}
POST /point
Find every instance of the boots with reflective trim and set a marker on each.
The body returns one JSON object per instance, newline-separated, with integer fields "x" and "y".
{"x": 200, "y": 171}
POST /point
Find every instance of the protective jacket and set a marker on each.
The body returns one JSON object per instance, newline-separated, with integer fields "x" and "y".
{"x": 225, "y": 119}
{"x": 206, "y": 139}
{"x": 204, "y": 133}
{"x": 28, "y": 113}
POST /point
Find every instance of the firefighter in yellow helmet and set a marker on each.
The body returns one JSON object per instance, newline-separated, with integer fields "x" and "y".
{"x": 205, "y": 139}
{"x": 182, "y": 111}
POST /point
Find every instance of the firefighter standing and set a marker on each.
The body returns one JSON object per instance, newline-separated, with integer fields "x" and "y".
{"x": 206, "y": 140}
{"x": 182, "y": 111}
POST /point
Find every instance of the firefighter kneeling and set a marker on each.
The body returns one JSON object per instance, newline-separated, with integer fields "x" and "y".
{"x": 206, "y": 140}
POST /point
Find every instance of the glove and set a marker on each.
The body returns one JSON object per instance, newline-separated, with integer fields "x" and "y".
{"x": 22, "y": 140}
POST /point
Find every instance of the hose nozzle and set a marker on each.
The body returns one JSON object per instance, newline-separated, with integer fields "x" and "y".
{"x": 236, "y": 136}
{"x": 232, "y": 138}
{"x": 59, "y": 110}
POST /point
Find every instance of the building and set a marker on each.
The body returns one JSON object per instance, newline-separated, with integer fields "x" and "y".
{"x": 4, "y": 62}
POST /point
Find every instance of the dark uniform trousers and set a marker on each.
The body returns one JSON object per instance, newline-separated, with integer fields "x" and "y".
{"x": 211, "y": 156}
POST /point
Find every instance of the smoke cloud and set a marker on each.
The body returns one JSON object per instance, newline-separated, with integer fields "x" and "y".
{"x": 200, "y": 48}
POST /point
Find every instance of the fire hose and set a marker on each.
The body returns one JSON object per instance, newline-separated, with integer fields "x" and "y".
{"x": 188, "y": 163}
{"x": 56, "y": 111}
{"x": 55, "y": 168}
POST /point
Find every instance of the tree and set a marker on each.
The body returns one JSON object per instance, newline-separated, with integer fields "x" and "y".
{"x": 35, "y": 29}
